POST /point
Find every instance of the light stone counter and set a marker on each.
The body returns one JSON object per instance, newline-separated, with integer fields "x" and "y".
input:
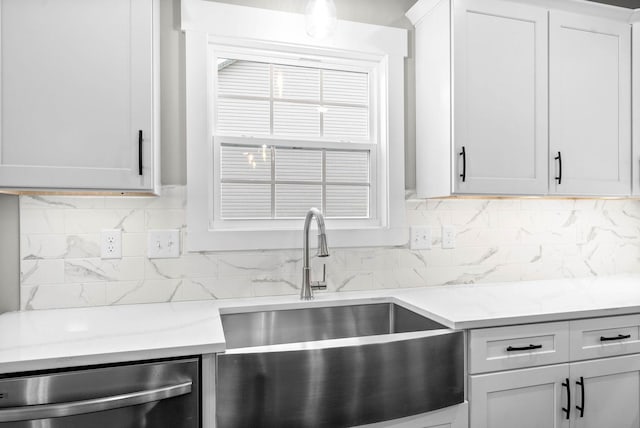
{"x": 34, "y": 340}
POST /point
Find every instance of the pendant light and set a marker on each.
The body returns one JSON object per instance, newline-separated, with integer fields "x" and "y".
{"x": 320, "y": 18}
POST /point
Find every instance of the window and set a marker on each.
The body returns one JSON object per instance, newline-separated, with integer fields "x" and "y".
{"x": 277, "y": 123}
{"x": 317, "y": 148}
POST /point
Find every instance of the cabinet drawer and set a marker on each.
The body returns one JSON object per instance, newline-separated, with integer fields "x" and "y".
{"x": 604, "y": 337}
{"x": 504, "y": 348}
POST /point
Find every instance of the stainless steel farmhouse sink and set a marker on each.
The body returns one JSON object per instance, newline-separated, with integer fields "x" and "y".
{"x": 335, "y": 366}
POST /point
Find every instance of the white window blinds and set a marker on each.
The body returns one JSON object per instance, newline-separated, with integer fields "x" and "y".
{"x": 320, "y": 147}
{"x": 258, "y": 99}
{"x": 260, "y": 182}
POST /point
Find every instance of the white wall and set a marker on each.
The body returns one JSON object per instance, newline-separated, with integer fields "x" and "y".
{"x": 9, "y": 260}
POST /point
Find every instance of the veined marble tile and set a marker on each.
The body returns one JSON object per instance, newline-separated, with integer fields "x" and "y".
{"x": 350, "y": 280}
{"x": 251, "y": 263}
{"x": 554, "y": 204}
{"x": 486, "y": 236}
{"x": 165, "y": 219}
{"x": 142, "y": 291}
{"x": 45, "y": 221}
{"x": 468, "y": 218}
{"x": 400, "y": 278}
{"x": 134, "y": 245}
{"x": 187, "y": 266}
{"x": 435, "y": 219}
{"x": 93, "y": 221}
{"x": 107, "y": 270}
{"x": 55, "y": 296}
{"x": 35, "y": 272}
{"x": 226, "y": 288}
{"x": 61, "y": 202}
{"x": 42, "y": 246}
{"x": 268, "y": 285}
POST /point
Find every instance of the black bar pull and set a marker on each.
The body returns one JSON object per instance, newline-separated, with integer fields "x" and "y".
{"x": 523, "y": 348}
{"x": 559, "y": 159}
{"x": 140, "y": 152}
{"x": 463, "y": 153}
{"x": 567, "y": 409}
{"x": 580, "y": 383}
{"x": 618, "y": 337}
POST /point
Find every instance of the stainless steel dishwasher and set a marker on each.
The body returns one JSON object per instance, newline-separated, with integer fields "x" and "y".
{"x": 150, "y": 395}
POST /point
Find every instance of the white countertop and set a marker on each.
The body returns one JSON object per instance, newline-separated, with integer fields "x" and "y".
{"x": 34, "y": 340}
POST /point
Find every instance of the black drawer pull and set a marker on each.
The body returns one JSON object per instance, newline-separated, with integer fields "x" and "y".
{"x": 140, "y": 152}
{"x": 559, "y": 159}
{"x": 580, "y": 383}
{"x": 463, "y": 153}
{"x": 567, "y": 409}
{"x": 523, "y": 348}
{"x": 618, "y": 337}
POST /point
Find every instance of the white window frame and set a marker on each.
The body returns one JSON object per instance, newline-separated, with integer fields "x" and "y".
{"x": 212, "y": 27}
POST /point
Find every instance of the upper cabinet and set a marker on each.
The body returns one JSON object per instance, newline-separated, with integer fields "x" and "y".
{"x": 500, "y": 98}
{"x": 78, "y": 95}
{"x": 503, "y": 87}
{"x": 590, "y": 105}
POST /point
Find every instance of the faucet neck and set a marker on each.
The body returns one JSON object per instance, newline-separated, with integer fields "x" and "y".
{"x": 305, "y": 292}
{"x": 313, "y": 212}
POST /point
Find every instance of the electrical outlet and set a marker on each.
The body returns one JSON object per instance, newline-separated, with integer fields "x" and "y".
{"x": 163, "y": 244}
{"x": 448, "y": 237}
{"x": 420, "y": 238}
{"x": 111, "y": 244}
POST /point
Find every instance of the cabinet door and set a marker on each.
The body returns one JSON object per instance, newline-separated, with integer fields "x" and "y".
{"x": 76, "y": 93}
{"x": 611, "y": 392}
{"x": 635, "y": 97}
{"x": 590, "y": 105}
{"x": 529, "y": 398}
{"x": 500, "y": 98}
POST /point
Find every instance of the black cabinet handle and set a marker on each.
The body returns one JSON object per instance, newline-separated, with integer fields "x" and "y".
{"x": 523, "y": 348}
{"x": 580, "y": 383}
{"x": 618, "y": 337}
{"x": 559, "y": 159}
{"x": 140, "y": 152}
{"x": 463, "y": 153}
{"x": 567, "y": 409}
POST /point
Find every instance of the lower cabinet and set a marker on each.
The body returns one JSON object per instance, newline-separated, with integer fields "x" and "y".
{"x": 528, "y": 398}
{"x": 590, "y": 394}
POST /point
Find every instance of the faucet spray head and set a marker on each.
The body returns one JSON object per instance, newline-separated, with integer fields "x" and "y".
{"x": 323, "y": 249}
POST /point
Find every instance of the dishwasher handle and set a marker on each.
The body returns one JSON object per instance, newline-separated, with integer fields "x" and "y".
{"x": 45, "y": 411}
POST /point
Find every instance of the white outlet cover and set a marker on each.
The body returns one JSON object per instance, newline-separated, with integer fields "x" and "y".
{"x": 163, "y": 244}
{"x": 111, "y": 243}
{"x": 420, "y": 238}
{"x": 448, "y": 237}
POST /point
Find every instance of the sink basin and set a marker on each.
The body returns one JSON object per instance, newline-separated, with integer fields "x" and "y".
{"x": 335, "y": 366}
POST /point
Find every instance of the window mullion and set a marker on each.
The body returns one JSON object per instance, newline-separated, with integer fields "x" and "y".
{"x": 324, "y": 182}
{"x": 273, "y": 182}
{"x": 322, "y": 104}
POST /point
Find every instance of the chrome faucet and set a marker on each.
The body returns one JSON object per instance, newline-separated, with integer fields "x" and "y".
{"x": 306, "y": 292}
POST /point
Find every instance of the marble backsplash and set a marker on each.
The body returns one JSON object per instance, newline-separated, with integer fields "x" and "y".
{"x": 497, "y": 240}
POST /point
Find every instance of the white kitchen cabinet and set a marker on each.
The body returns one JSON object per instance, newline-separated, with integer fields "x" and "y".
{"x": 608, "y": 391}
{"x": 500, "y": 97}
{"x": 603, "y": 393}
{"x": 590, "y": 105}
{"x": 526, "y": 398}
{"x": 496, "y": 103}
{"x": 599, "y": 392}
{"x": 506, "y": 91}
{"x": 635, "y": 99}
{"x": 79, "y": 95}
